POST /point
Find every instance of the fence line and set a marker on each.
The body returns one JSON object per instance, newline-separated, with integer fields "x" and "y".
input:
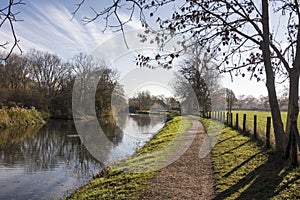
{"x": 227, "y": 118}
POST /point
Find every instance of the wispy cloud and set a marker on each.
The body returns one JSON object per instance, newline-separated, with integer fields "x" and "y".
{"x": 48, "y": 26}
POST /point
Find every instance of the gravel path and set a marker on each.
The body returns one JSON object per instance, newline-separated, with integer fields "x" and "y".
{"x": 187, "y": 178}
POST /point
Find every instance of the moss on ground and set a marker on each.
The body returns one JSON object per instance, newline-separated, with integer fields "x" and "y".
{"x": 117, "y": 182}
{"x": 245, "y": 170}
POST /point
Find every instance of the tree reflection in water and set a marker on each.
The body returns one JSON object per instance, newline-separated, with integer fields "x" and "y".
{"x": 44, "y": 148}
{"x": 148, "y": 122}
{"x": 51, "y": 160}
{"x": 43, "y": 161}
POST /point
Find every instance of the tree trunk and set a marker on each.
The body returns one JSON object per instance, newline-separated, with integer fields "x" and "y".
{"x": 293, "y": 142}
{"x": 292, "y": 116}
{"x": 293, "y": 107}
{"x": 275, "y": 111}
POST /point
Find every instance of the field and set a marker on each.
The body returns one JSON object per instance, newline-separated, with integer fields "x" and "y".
{"x": 261, "y": 122}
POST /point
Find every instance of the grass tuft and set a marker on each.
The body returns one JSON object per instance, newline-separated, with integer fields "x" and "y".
{"x": 15, "y": 117}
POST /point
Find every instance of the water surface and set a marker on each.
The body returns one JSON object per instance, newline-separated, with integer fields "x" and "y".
{"x": 49, "y": 162}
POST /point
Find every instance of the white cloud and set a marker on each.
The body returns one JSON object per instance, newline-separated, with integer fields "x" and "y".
{"x": 48, "y": 26}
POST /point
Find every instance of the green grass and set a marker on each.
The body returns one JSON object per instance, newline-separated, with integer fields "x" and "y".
{"x": 261, "y": 122}
{"x": 245, "y": 170}
{"x": 118, "y": 182}
{"x": 261, "y": 118}
{"x": 15, "y": 117}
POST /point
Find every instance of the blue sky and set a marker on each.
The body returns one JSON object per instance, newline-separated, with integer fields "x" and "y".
{"x": 47, "y": 26}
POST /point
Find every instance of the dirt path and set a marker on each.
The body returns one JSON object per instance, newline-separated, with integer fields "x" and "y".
{"x": 187, "y": 178}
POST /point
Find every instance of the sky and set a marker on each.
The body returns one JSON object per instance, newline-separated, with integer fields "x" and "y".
{"x": 50, "y": 26}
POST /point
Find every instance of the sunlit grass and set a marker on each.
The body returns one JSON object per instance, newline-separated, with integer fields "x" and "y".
{"x": 19, "y": 117}
{"x": 261, "y": 118}
{"x": 261, "y": 122}
{"x": 245, "y": 170}
{"x": 119, "y": 183}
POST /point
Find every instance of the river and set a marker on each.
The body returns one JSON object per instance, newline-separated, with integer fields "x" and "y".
{"x": 50, "y": 162}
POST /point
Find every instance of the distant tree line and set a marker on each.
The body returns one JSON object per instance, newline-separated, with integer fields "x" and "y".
{"x": 261, "y": 103}
{"x": 144, "y": 101}
{"x": 44, "y": 81}
{"x": 227, "y": 100}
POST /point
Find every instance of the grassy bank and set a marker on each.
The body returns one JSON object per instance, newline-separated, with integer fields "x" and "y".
{"x": 117, "y": 182}
{"x": 14, "y": 117}
{"x": 245, "y": 170}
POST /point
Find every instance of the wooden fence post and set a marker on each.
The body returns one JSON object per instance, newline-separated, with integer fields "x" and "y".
{"x": 227, "y": 118}
{"x": 222, "y": 117}
{"x": 237, "y": 121}
{"x": 231, "y": 120}
{"x": 255, "y": 127}
{"x": 268, "y": 132}
{"x": 244, "y": 122}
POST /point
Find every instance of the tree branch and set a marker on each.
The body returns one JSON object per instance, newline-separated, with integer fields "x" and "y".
{"x": 297, "y": 58}
{"x": 6, "y": 15}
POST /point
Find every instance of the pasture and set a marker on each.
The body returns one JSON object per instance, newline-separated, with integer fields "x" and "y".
{"x": 261, "y": 122}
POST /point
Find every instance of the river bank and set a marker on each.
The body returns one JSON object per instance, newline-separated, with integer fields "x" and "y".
{"x": 117, "y": 182}
{"x": 14, "y": 117}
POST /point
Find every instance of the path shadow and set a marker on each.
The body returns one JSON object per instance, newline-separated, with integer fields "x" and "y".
{"x": 242, "y": 164}
{"x": 235, "y": 148}
{"x": 261, "y": 182}
{"x": 221, "y": 141}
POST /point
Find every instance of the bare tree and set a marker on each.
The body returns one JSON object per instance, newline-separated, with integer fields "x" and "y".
{"x": 96, "y": 80}
{"x": 17, "y": 71}
{"x": 240, "y": 30}
{"x": 48, "y": 71}
{"x": 200, "y": 76}
{"x": 8, "y": 17}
